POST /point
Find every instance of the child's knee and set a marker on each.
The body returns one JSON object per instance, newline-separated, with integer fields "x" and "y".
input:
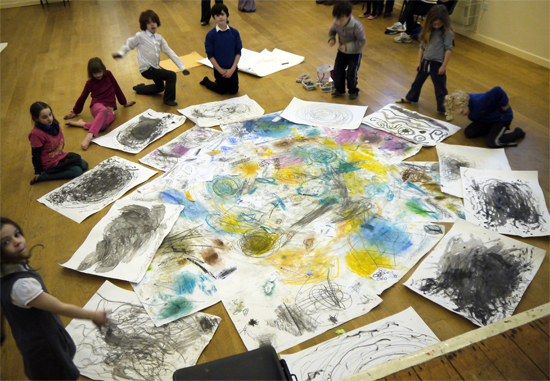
{"x": 83, "y": 164}
{"x": 77, "y": 171}
{"x": 172, "y": 77}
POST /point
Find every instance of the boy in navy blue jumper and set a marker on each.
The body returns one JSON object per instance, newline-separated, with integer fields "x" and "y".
{"x": 223, "y": 46}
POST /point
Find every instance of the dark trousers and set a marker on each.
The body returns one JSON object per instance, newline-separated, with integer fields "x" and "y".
{"x": 379, "y": 7}
{"x": 205, "y": 10}
{"x": 159, "y": 76}
{"x": 223, "y": 85}
{"x": 345, "y": 68}
{"x": 430, "y": 69}
{"x": 494, "y": 132}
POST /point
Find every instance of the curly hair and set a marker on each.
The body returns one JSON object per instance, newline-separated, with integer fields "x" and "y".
{"x": 456, "y": 101}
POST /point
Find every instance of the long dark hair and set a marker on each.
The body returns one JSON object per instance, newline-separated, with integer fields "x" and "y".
{"x": 95, "y": 65}
{"x": 7, "y": 221}
{"x": 36, "y": 109}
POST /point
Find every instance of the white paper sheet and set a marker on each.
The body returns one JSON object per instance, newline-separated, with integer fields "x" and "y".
{"x": 453, "y": 157}
{"x": 410, "y": 125}
{"x": 131, "y": 347}
{"x": 223, "y": 112}
{"x": 508, "y": 202}
{"x": 189, "y": 143}
{"x": 123, "y": 243}
{"x": 95, "y": 189}
{"x": 362, "y": 348}
{"x": 140, "y": 131}
{"x": 319, "y": 114}
{"x": 477, "y": 273}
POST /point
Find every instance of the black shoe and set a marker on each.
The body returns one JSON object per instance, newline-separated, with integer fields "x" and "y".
{"x": 138, "y": 86}
{"x": 170, "y": 103}
{"x": 519, "y": 133}
{"x": 353, "y": 96}
{"x": 204, "y": 23}
{"x": 387, "y": 14}
{"x": 204, "y": 81}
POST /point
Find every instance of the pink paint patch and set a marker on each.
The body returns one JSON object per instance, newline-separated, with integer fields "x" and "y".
{"x": 180, "y": 150}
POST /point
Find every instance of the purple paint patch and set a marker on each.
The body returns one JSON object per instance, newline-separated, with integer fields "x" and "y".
{"x": 180, "y": 150}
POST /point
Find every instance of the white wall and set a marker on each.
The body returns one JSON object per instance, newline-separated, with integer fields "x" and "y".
{"x": 519, "y": 27}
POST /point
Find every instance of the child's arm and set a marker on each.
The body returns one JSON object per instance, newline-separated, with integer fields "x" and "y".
{"x": 36, "y": 146}
{"x": 217, "y": 66}
{"x": 118, "y": 91}
{"x": 332, "y": 36}
{"x": 79, "y": 105}
{"x": 47, "y": 302}
{"x": 131, "y": 43}
{"x": 420, "y": 56}
{"x": 443, "y": 67}
{"x": 175, "y": 59}
{"x": 229, "y": 72}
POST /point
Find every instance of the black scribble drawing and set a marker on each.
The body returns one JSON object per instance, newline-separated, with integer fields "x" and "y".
{"x": 409, "y": 125}
{"x": 144, "y": 131}
{"x": 123, "y": 236}
{"x": 497, "y": 203}
{"x": 381, "y": 274}
{"x": 450, "y": 166}
{"x": 104, "y": 181}
{"x": 309, "y": 307}
{"x": 484, "y": 280}
{"x": 132, "y": 348}
{"x": 223, "y": 112}
{"x": 188, "y": 143}
{"x": 325, "y": 115}
{"x": 358, "y": 350}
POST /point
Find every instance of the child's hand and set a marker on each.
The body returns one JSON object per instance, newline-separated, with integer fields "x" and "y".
{"x": 69, "y": 115}
{"x": 228, "y": 73}
{"x": 186, "y": 72}
{"x": 130, "y": 104}
{"x": 100, "y": 318}
{"x": 34, "y": 179}
{"x": 343, "y": 48}
{"x": 441, "y": 70}
{"x": 116, "y": 55}
{"x": 418, "y": 67}
{"x": 332, "y": 42}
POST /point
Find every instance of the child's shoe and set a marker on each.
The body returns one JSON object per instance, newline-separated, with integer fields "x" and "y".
{"x": 449, "y": 117}
{"x": 362, "y": 15}
{"x": 336, "y": 93}
{"x": 372, "y": 17}
{"x": 403, "y": 38}
{"x": 397, "y": 27}
{"x": 519, "y": 133}
{"x": 353, "y": 96}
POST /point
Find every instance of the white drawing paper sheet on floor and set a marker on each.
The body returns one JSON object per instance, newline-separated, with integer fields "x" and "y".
{"x": 123, "y": 243}
{"x": 96, "y": 188}
{"x": 362, "y": 348}
{"x": 320, "y": 114}
{"x": 508, "y": 202}
{"x": 131, "y": 347}
{"x": 222, "y": 112}
{"x": 410, "y": 125}
{"x": 452, "y": 157}
{"x": 188, "y": 143}
{"x": 140, "y": 131}
{"x": 477, "y": 273}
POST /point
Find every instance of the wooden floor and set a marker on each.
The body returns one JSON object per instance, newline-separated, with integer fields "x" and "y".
{"x": 46, "y": 60}
{"x": 517, "y": 354}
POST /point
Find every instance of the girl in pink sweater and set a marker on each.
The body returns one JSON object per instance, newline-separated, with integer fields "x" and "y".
{"x": 104, "y": 88}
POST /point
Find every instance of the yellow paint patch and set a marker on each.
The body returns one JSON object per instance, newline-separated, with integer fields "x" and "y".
{"x": 188, "y": 195}
{"x": 365, "y": 262}
{"x": 247, "y": 169}
{"x": 302, "y": 266}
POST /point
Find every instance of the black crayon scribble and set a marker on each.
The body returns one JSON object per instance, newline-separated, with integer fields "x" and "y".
{"x": 410, "y": 125}
{"x": 123, "y": 236}
{"x": 224, "y": 112}
{"x": 481, "y": 278}
{"x": 450, "y": 166}
{"x": 253, "y": 322}
{"x": 103, "y": 182}
{"x": 498, "y": 203}
{"x": 142, "y": 132}
{"x": 132, "y": 348}
{"x": 351, "y": 353}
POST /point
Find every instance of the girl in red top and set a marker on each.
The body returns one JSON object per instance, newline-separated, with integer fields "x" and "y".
{"x": 47, "y": 142}
{"x": 104, "y": 88}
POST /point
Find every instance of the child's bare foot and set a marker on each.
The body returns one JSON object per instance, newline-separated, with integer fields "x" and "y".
{"x": 78, "y": 123}
{"x": 130, "y": 104}
{"x": 86, "y": 142}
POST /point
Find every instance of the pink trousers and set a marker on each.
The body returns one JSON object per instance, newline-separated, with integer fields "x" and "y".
{"x": 103, "y": 116}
